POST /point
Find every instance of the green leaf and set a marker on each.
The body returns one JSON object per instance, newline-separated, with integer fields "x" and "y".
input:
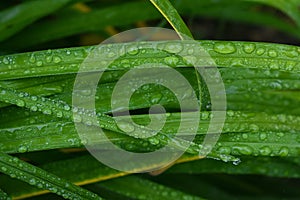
{"x": 16, "y": 18}
{"x": 23, "y": 171}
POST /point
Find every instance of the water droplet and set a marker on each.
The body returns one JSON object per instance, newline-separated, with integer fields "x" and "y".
{"x": 254, "y": 127}
{"x": 132, "y": 50}
{"x": 22, "y": 149}
{"x": 243, "y": 149}
{"x": 173, "y": 47}
{"x": 272, "y": 53}
{"x": 291, "y": 54}
{"x": 155, "y": 98}
{"x": 154, "y": 141}
{"x": 32, "y": 181}
{"x": 56, "y": 59}
{"x": 47, "y": 112}
{"x": 32, "y": 58}
{"x": 230, "y": 113}
{"x": 245, "y": 136}
{"x": 171, "y": 61}
{"x": 280, "y": 134}
{"x": 48, "y": 59}
{"x": 5, "y": 61}
{"x": 265, "y": 151}
{"x": 224, "y": 47}
{"x": 3, "y": 169}
{"x": 284, "y": 151}
{"x": 67, "y": 107}
{"x": 20, "y": 103}
{"x": 34, "y": 98}
{"x": 224, "y": 150}
{"x": 77, "y": 118}
{"x": 249, "y": 48}
{"x": 126, "y": 127}
{"x": 260, "y": 51}
{"x": 85, "y": 92}
{"x": 263, "y": 136}
{"x": 205, "y": 115}
{"x": 39, "y": 63}
{"x": 59, "y": 114}
{"x": 34, "y": 108}
{"x": 190, "y": 60}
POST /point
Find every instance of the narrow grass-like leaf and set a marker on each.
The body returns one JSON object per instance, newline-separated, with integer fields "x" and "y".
{"x": 172, "y": 16}
{"x": 225, "y": 54}
{"x": 4, "y": 196}
{"x": 21, "y": 170}
{"x": 16, "y": 18}
{"x": 135, "y": 187}
{"x": 267, "y": 166}
{"x": 70, "y": 24}
{"x": 289, "y": 7}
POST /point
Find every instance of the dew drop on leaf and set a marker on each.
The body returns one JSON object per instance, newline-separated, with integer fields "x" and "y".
{"x": 272, "y": 53}
{"x": 39, "y": 63}
{"x": 126, "y": 127}
{"x": 284, "y": 151}
{"x": 171, "y": 61}
{"x": 260, "y": 51}
{"x": 224, "y": 47}
{"x": 22, "y": 149}
{"x": 249, "y": 48}
{"x": 173, "y": 47}
{"x": 265, "y": 151}
{"x": 20, "y": 103}
{"x": 57, "y": 59}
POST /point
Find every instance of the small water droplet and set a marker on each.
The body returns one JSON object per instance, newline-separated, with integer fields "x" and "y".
{"x": 34, "y": 108}
{"x": 249, "y": 48}
{"x": 20, "y": 103}
{"x": 3, "y": 169}
{"x": 67, "y": 107}
{"x": 77, "y": 118}
{"x": 154, "y": 141}
{"x": 34, "y": 98}
{"x": 22, "y": 149}
{"x": 291, "y": 54}
{"x": 32, "y": 181}
{"x": 245, "y": 136}
{"x": 5, "y": 60}
{"x": 173, "y": 47}
{"x": 171, "y": 61}
{"x": 262, "y": 136}
{"x": 155, "y": 98}
{"x": 56, "y": 59}
{"x": 230, "y": 113}
{"x": 260, "y": 51}
{"x": 126, "y": 127}
{"x": 272, "y": 53}
{"x": 243, "y": 149}
{"x": 59, "y": 114}
{"x": 254, "y": 127}
{"x": 47, "y": 112}
{"x": 284, "y": 151}
{"x": 32, "y": 59}
{"x": 48, "y": 59}
{"x": 265, "y": 151}
{"x": 132, "y": 51}
{"x": 224, "y": 47}
{"x": 205, "y": 115}
{"x": 39, "y": 63}
{"x": 224, "y": 150}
